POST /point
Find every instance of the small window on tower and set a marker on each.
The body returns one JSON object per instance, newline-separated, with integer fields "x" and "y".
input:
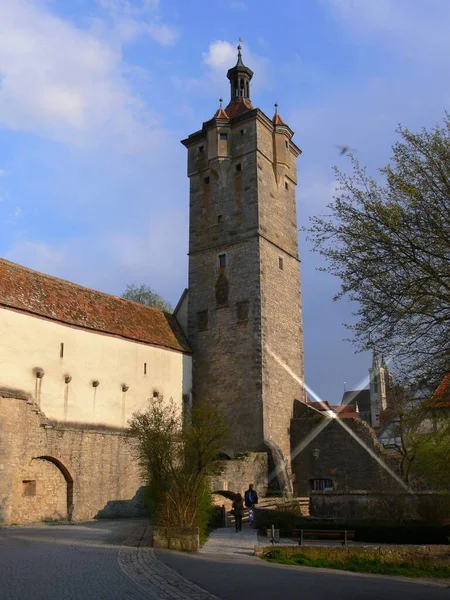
{"x": 286, "y": 143}
{"x": 201, "y": 149}
{"x": 224, "y": 136}
{"x": 222, "y": 260}
{"x": 286, "y": 185}
{"x": 202, "y": 320}
{"x": 242, "y": 131}
{"x": 206, "y": 180}
{"x": 239, "y": 167}
{"x": 220, "y": 219}
{"x": 281, "y": 263}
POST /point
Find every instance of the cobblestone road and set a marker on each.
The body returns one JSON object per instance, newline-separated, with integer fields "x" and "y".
{"x": 87, "y": 561}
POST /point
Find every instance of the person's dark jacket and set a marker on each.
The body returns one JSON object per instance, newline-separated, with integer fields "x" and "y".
{"x": 238, "y": 508}
{"x": 250, "y": 498}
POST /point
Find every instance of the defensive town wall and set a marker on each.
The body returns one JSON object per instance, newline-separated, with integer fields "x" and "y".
{"x": 52, "y": 471}
{"x": 388, "y": 505}
{"x": 56, "y": 471}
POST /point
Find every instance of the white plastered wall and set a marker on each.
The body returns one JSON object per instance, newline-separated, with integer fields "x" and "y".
{"x": 29, "y": 343}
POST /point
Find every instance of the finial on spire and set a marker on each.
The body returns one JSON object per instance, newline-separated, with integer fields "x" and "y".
{"x": 220, "y": 102}
{"x": 276, "y": 108}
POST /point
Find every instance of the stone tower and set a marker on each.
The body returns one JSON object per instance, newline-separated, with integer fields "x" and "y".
{"x": 244, "y": 307}
{"x": 380, "y": 384}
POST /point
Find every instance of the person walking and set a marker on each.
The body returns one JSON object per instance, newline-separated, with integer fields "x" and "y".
{"x": 238, "y": 511}
{"x": 250, "y": 499}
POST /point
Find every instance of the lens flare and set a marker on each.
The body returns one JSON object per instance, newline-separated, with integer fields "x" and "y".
{"x": 328, "y": 418}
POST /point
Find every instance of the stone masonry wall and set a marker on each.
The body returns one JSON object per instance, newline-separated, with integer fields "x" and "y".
{"x": 223, "y": 220}
{"x": 281, "y": 302}
{"x": 242, "y": 206}
{"x": 227, "y": 363}
{"x": 391, "y": 506}
{"x": 341, "y": 458}
{"x": 240, "y": 472}
{"x": 39, "y": 493}
{"x": 70, "y": 465}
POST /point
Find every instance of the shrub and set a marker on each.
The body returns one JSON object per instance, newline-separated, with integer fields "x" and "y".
{"x": 177, "y": 457}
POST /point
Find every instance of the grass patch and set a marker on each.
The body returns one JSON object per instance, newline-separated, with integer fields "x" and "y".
{"x": 357, "y": 562}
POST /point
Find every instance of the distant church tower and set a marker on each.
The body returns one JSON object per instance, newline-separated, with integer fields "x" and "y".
{"x": 244, "y": 307}
{"x": 380, "y": 384}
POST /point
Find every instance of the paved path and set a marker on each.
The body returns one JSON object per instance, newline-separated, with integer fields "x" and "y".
{"x": 225, "y": 540}
{"x": 99, "y": 560}
{"x": 65, "y": 562}
{"x": 226, "y": 567}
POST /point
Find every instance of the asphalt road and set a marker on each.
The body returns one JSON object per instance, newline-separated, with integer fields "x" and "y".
{"x": 81, "y": 562}
{"x": 66, "y": 562}
{"x": 236, "y": 578}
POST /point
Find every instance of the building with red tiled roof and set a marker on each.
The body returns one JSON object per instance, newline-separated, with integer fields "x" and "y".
{"x": 90, "y": 346}
{"x": 41, "y": 295}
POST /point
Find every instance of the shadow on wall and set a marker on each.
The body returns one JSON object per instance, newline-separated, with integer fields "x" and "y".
{"x": 124, "y": 509}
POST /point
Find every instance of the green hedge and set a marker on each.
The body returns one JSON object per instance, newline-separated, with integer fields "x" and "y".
{"x": 364, "y": 532}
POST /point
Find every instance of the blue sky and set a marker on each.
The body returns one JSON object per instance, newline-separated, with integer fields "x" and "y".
{"x": 96, "y": 94}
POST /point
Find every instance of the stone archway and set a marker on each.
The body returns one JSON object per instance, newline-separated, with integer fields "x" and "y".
{"x": 43, "y": 491}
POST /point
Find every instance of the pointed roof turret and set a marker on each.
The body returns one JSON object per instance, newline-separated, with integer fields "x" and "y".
{"x": 239, "y": 77}
{"x": 220, "y": 112}
{"x": 276, "y": 119}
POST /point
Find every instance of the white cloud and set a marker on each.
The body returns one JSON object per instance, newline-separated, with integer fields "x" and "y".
{"x": 222, "y": 55}
{"x": 136, "y": 18}
{"x": 63, "y": 82}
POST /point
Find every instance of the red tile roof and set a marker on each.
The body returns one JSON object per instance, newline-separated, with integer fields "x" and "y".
{"x": 441, "y": 397}
{"x": 343, "y": 412}
{"x": 277, "y": 120}
{"x": 320, "y": 405}
{"x": 30, "y": 291}
{"x": 347, "y": 411}
{"x": 221, "y": 114}
{"x": 238, "y": 106}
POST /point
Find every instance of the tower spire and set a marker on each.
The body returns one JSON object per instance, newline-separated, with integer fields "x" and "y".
{"x": 240, "y": 77}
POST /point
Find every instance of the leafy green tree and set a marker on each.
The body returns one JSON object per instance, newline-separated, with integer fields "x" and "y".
{"x": 389, "y": 243}
{"x": 433, "y": 455}
{"x": 145, "y": 295}
{"x": 178, "y": 454}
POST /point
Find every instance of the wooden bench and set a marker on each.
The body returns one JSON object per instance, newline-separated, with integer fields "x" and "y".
{"x": 323, "y": 534}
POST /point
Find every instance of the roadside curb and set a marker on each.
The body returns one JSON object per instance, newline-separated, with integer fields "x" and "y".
{"x": 137, "y": 561}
